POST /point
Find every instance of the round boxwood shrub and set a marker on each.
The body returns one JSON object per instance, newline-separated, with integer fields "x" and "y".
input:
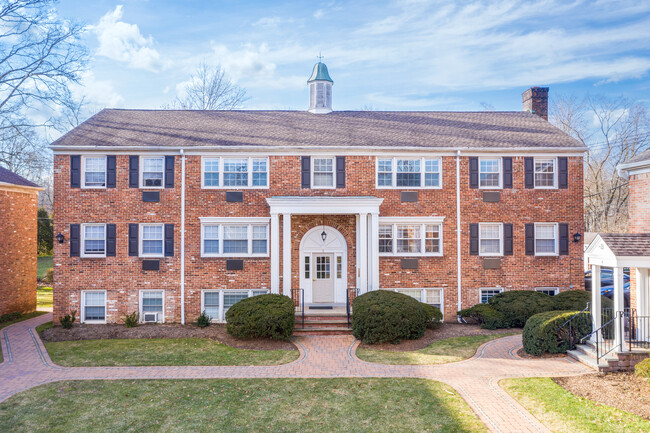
{"x": 519, "y": 305}
{"x": 577, "y": 300}
{"x": 434, "y": 316}
{"x": 485, "y": 315}
{"x": 263, "y": 316}
{"x": 382, "y": 316}
{"x": 541, "y": 333}
{"x": 643, "y": 368}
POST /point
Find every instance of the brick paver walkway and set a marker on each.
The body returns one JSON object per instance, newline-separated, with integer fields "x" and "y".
{"x": 27, "y": 364}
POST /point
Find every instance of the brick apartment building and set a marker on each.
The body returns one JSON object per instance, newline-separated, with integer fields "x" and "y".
{"x": 175, "y": 212}
{"x": 18, "y": 229}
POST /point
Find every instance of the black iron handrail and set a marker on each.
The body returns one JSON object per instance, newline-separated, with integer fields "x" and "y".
{"x": 298, "y": 297}
{"x": 348, "y": 301}
{"x": 570, "y": 322}
{"x": 638, "y": 335}
{"x": 598, "y": 334}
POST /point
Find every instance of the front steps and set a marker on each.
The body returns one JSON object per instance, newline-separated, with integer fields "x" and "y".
{"x": 611, "y": 363}
{"x": 323, "y": 322}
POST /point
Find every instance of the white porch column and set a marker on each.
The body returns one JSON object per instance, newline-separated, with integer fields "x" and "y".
{"x": 596, "y": 311}
{"x": 362, "y": 252}
{"x": 374, "y": 250}
{"x": 275, "y": 253}
{"x": 619, "y": 306}
{"x": 286, "y": 254}
{"x": 642, "y": 303}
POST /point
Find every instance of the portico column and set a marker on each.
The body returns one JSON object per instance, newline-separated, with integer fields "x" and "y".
{"x": 642, "y": 303}
{"x": 374, "y": 251}
{"x": 362, "y": 250}
{"x": 275, "y": 253}
{"x": 619, "y": 307}
{"x": 596, "y": 312}
{"x": 286, "y": 254}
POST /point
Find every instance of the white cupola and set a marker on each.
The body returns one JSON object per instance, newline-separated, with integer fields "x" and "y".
{"x": 320, "y": 90}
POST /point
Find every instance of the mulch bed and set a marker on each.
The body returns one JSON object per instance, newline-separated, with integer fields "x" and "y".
{"x": 447, "y": 330}
{"x": 623, "y": 391}
{"x": 111, "y": 331}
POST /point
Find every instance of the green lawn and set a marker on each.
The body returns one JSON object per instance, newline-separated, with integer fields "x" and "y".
{"x": 438, "y": 352}
{"x": 241, "y": 405}
{"x": 161, "y": 351}
{"x": 44, "y": 263}
{"x": 563, "y": 412}
{"x": 44, "y": 298}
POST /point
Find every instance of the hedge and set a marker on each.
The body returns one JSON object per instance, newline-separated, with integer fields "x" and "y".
{"x": 383, "y": 316}
{"x": 541, "y": 333}
{"x": 485, "y": 315}
{"x": 519, "y": 305}
{"x": 434, "y": 316}
{"x": 577, "y": 300}
{"x": 643, "y": 368}
{"x": 264, "y": 316}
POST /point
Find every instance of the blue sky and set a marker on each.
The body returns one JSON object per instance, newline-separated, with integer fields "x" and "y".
{"x": 393, "y": 55}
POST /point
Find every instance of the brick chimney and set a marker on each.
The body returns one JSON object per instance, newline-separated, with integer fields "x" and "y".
{"x": 536, "y": 101}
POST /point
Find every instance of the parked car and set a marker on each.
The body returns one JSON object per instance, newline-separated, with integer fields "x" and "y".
{"x": 606, "y": 277}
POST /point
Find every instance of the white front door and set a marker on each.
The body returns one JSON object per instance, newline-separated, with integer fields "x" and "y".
{"x": 323, "y": 279}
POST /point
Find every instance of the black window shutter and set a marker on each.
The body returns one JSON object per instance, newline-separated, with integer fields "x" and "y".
{"x": 134, "y": 169}
{"x": 169, "y": 171}
{"x": 110, "y": 240}
{"x": 340, "y": 171}
{"x": 305, "y": 171}
{"x": 563, "y": 172}
{"x": 507, "y": 172}
{"x": 529, "y": 169}
{"x": 75, "y": 171}
{"x": 473, "y": 172}
{"x": 111, "y": 171}
{"x": 133, "y": 239}
{"x": 564, "y": 239}
{"x": 530, "y": 239}
{"x": 75, "y": 242}
{"x": 169, "y": 240}
{"x": 507, "y": 240}
{"x": 473, "y": 239}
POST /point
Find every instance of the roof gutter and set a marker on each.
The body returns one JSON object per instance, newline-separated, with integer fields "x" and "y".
{"x": 624, "y": 170}
{"x": 458, "y": 237}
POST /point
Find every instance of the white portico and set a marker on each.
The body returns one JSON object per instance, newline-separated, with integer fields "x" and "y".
{"x": 323, "y": 249}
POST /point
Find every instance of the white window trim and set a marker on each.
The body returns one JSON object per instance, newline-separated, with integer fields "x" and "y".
{"x": 548, "y": 289}
{"x": 555, "y": 173}
{"x": 83, "y": 307}
{"x": 161, "y": 317}
{"x": 83, "y": 172}
{"x": 83, "y": 242}
{"x": 141, "y": 171}
{"x": 312, "y": 160}
{"x": 249, "y": 222}
{"x": 141, "y": 239}
{"x": 482, "y": 289}
{"x": 500, "y": 172}
{"x": 222, "y": 318}
{"x": 423, "y": 295}
{"x": 221, "y": 173}
{"x": 500, "y": 253}
{"x": 556, "y": 234}
{"x": 422, "y": 222}
{"x": 394, "y": 172}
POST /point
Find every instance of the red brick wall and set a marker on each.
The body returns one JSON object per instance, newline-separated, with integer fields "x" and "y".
{"x": 18, "y": 229}
{"x": 122, "y": 275}
{"x": 638, "y": 217}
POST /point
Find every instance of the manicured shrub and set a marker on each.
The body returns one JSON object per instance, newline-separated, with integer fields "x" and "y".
{"x": 8, "y": 317}
{"x": 264, "y": 316}
{"x": 68, "y": 320}
{"x": 643, "y": 368}
{"x": 541, "y": 333}
{"x": 485, "y": 315}
{"x": 131, "y": 320}
{"x": 519, "y": 305}
{"x": 49, "y": 276}
{"x": 576, "y": 300}
{"x": 434, "y": 316}
{"x": 383, "y": 316}
{"x": 203, "y": 320}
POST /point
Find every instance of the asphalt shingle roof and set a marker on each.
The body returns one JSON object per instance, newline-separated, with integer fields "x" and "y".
{"x": 178, "y": 128}
{"x": 628, "y": 244}
{"x": 7, "y": 176}
{"x": 640, "y": 157}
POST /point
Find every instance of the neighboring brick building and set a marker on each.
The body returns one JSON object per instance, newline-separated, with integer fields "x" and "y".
{"x": 18, "y": 228}
{"x": 175, "y": 212}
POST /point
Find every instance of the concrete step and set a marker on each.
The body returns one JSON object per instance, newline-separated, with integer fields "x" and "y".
{"x": 589, "y": 361}
{"x": 324, "y": 330}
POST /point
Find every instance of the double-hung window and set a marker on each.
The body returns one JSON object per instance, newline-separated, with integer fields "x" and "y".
{"x": 546, "y": 239}
{"x": 545, "y": 173}
{"x": 93, "y": 237}
{"x": 410, "y": 236}
{"x": 151, "y": 240}
{"x": 234, "y": 237}
{"x": 94, "y": 172}
{"x": 215, "y": 303}
{"x": 490, "y": 239}
{"x": 153, "y": 171}
{"x": 486, "y": 294}
{"x": 428, "y": 296}
{"x": 219, "y": 172}
{"x": 551, "y": 291}
{"x": 323, "y": 172}
{"x": 409, "y": 172}
{"x": 93, "y": 306}
{"x": 152, "y": 301}
{"x": 489, "y": 173}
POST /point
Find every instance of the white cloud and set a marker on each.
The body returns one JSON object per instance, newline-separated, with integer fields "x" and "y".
{"x": 123, "y": 42}
{"x": 272, "y": 22}
{"x": 98, "y": 93}
{"x": 320, "y": 13}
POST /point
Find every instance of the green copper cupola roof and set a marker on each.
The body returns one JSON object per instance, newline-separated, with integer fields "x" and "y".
{"x": 320, "y": 73}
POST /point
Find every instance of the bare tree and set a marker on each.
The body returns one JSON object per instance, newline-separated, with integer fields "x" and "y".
{"x": 614, "y": 130}
{"x": 210, "y": 89}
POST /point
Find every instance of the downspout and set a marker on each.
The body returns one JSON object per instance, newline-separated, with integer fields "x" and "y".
{"x": 182, "y": 237}
{"x": 458, "y": 237}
